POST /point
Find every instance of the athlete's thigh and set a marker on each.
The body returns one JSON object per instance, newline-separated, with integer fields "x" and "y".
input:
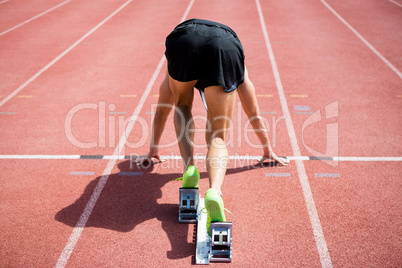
{"x": 220, "y": 108}
{"x": 183, "y": 92}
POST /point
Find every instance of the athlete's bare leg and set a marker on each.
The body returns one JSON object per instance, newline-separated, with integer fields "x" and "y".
{"x": 220, "y": 110}
{"x": 183, "y": 93}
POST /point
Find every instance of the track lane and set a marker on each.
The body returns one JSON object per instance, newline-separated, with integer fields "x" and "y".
{"x": 319, "y": 237}
{"x": 286, "y": 239}
{"x": 338, "y": 74}
{"x": 87, "y": 241}
{"x": 303, "y": 245}
{"x": 360, "y": 211}
{"x": 353, "y": 79}
{"x": 103, "y": 180}
{"x": 106, "y": 73}
{"x": 27, "y": 51}
{"x": 45, "y": 124}
{"x": 378, "y": 22}
{"x": 33, "y": 18}
{"x": 32, "y": 192}
{"x": 15, "y": 12}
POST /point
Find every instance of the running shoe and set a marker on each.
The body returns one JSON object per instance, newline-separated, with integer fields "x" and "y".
{"x": 214, "y": 206}
{"x": 190, "y": 178}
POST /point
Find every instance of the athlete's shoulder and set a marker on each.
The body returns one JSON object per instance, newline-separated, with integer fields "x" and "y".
{"x": 206, "y": 22}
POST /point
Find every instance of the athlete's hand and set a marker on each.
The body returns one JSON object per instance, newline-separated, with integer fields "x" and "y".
{"x": 146, "y": 161}
{"x": 281, "y": 161}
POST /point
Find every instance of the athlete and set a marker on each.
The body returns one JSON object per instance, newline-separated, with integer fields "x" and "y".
{"x": 208, "y": 56}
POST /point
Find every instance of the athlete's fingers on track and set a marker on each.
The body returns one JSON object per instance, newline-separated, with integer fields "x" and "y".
{"x": 147, "y": 161}
{"x": 282, "y": 161}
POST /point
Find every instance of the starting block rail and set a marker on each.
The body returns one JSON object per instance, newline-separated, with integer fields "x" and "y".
{"x": 202, "y": 249}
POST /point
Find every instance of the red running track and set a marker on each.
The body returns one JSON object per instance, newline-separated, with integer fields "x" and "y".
{"x": 73, "y": 77}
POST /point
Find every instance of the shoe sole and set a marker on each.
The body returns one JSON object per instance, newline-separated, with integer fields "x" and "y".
{"x": 191, "y": 182}
{"x": 215, "y": 211}
{"x": 192, "y": 179}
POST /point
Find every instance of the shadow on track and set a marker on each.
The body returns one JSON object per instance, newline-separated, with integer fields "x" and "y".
{"x": 127, "y": 201}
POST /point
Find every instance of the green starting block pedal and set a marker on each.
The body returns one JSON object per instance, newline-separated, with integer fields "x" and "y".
{"x": 218, "y": 247}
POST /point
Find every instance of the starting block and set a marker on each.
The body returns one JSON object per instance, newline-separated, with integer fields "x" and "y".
{"x": 188, "y": 206}
{"x": 218, "y": 247}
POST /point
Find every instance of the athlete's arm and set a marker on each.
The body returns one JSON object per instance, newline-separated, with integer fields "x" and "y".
{"x": 248, "y": 99}
{"x": 165, "y": 105}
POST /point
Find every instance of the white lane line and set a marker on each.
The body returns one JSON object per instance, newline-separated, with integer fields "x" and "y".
{"x": 40, "y": 157}
{"x": 331, "y": 175}
{"x": 308, "y": 196}
{"x": 82, "y": 173}
{"x": 117, "y": 157}
{"x": 199, "y": 157}
{"x": 77, "y": 231}
{"x": 292, "y": 158}
{"x": 396, "y": 3}
{"x": 301, "y": 108}
{"x": 367, "y": 159}
{"x": 33, "y": 18}
{"x": 389, "y": 64}
{"x": 30, "y": 80}
{"x": 277, "y": 174}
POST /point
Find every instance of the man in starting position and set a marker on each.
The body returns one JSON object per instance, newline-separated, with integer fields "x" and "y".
{"x": 208, "y": 56}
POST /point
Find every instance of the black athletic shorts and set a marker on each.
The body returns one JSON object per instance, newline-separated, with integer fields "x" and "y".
{"x": 206, "y": 51}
